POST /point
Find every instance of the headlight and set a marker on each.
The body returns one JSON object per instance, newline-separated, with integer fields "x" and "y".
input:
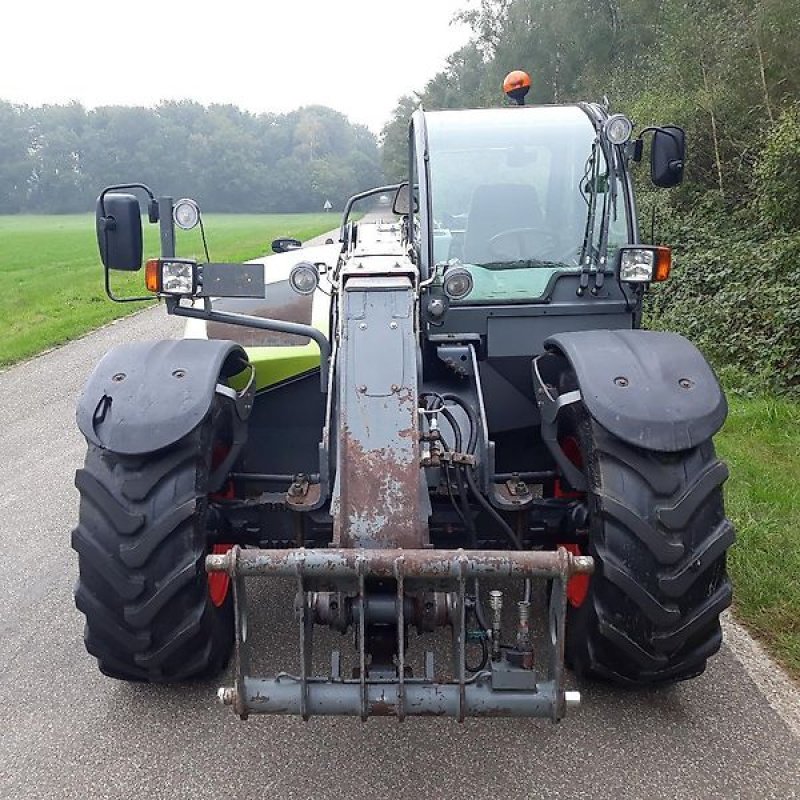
{"x": 644, "y": 264}
{"x": 186, "y": 214}
{"x": 171, "y": 276}
{"x": 458, "y": 283}
{"x": 304, "y": 278}
{"x": 618, "y": 129}
{"x": 177, "y": 277}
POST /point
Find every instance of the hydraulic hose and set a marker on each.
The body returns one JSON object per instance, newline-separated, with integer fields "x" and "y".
{"x": 462, "y": 495}
{"x": 493, "y": 513}
{"x": 471, "y": 416}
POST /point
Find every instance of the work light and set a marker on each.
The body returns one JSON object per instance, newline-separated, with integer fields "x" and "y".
{"x": 643, "y": 264}
{"x": 458, "y": 283}
{"x": 304, "y": 278}
{"x": 186, "y": 214}
{"x": 618, "y": 129}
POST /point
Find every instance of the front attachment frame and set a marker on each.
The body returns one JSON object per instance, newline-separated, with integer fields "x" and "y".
{"x": 499, "y": 690}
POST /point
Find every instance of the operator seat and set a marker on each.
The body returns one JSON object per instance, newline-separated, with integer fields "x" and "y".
{"x": 496, "y": 208}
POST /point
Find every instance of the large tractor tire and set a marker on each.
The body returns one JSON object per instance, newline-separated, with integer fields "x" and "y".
{"x": 151, "y": 612}
{"x": 659, "y": 536}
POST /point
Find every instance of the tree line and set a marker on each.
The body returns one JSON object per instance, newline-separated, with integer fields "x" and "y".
{"x": 728, "y": 71}
{"x": 56, "y": 158}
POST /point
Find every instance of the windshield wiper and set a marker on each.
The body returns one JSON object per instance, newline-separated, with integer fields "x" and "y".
{"x": 609, "y": 208}
{"x": 587, "y": 256}
{"x": 522, "y": 263}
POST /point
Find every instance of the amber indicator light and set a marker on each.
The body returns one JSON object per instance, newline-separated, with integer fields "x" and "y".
{"x": 152, "y": 275}
{"x": 663, "y": 263}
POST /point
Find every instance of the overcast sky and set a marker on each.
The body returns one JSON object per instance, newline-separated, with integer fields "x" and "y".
{"x": 357, "y": 56}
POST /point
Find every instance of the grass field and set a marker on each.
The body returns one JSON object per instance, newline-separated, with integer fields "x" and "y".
{"x": 52, "y": 281}
{"x": 761, "y": 444}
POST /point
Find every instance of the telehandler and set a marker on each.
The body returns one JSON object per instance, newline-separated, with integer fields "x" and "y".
{"x": 449, "y": 421}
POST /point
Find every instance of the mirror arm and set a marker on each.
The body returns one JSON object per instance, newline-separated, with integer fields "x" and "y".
{"x": 111, "y": 296}
{"x": 146, "y": 189}
{"x": 360, "y": 196}
{"x": 656, "y": 128}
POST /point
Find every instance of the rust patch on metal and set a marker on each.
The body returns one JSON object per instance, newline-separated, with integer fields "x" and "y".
{"x": 418, "y": 563}
{"x": 281, "y": 303}
{"x": 381, "y": 708}
{"x": 379, "y": 506}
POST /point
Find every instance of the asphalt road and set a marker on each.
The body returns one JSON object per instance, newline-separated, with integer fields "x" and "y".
{"x": 68, "y": 732}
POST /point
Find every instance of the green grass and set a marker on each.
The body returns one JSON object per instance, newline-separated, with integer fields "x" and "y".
{"x": 761, "y": 444}
{"x": 52, "y": 281}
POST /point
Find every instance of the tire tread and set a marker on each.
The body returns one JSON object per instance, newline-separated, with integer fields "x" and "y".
{"x": 141, "y": 547}
{"x": 659, "y": 537}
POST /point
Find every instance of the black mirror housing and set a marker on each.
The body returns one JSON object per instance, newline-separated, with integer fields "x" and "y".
{"x": 119, "y": 231}
{"x": 667, "y": 156}
{"x": 285, "y": 244}
{"x": 402, "y": 205}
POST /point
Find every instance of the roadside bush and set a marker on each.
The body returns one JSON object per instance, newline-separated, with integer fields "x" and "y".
{"x": 778, "y": 173}
{"x": 733, "y": 292}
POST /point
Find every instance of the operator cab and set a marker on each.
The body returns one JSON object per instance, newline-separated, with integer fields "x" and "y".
{"x": 522, "y": 216}
{"x": 509, "y": 197}
{"x": 509, "y": 194}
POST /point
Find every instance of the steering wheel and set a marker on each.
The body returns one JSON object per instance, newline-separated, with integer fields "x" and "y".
{"x": 517, "y": 244}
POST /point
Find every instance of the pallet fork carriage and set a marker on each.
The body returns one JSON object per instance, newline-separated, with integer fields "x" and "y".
{"x": 504, "y": 689}
{"x": 455, "y": 397}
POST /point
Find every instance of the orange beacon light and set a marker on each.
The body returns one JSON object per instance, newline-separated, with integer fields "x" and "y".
{"x": 516, "y": 85}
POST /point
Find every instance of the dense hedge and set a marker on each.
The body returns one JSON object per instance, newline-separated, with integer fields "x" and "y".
{"x": 734, "y": 292}
{"x": 777, "y": 173}
{"x": 736, "y": 281}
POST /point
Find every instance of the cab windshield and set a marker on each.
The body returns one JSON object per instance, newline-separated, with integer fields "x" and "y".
{"x": 510, "y": 191}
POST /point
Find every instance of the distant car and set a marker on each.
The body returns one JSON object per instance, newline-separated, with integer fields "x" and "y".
{"x": 384, "y": 200}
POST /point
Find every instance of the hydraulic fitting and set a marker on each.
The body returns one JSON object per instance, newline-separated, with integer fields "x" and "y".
{"x": 496, "y": 606}
{"x": 524, "y": 644}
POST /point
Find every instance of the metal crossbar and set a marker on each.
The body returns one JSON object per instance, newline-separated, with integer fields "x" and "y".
{"x": 350, "y": 562}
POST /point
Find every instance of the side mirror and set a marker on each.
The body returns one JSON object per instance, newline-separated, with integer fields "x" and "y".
{"x": 402, "y": 205}
{"x": 667, "y": 154}
{"x": 285, "y": 244}
{"x": 118, "y": 221}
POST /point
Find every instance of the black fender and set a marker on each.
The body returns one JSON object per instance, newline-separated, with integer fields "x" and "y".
{"x": 651, "y": 389}
{"x": 145, "y": 396}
